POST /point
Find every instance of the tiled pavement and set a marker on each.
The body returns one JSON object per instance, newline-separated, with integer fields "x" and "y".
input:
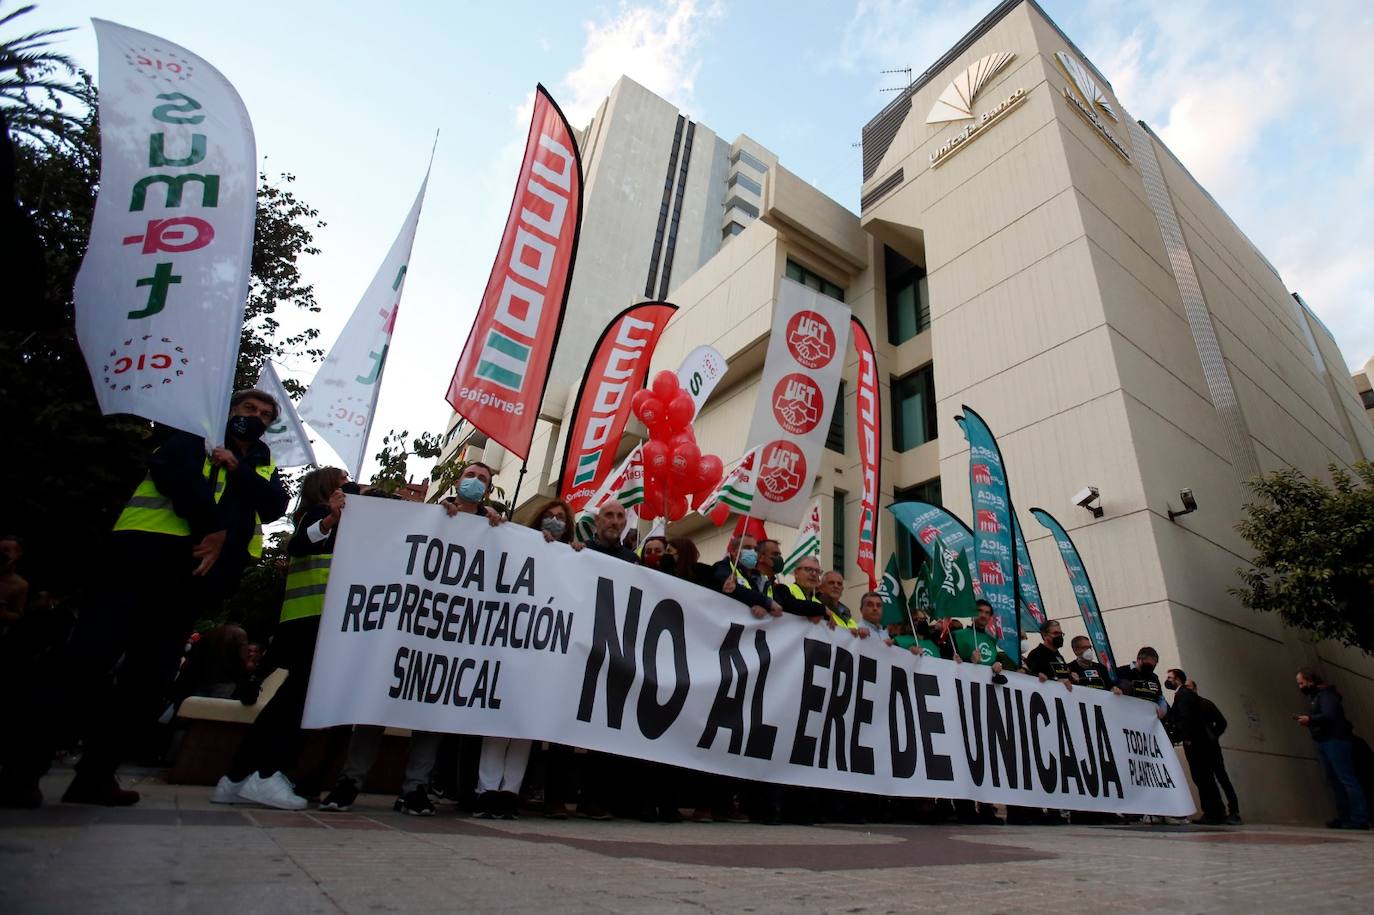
{"x": 176, "y": 852}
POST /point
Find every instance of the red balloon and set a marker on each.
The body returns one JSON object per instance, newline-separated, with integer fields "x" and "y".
{"x": 718, "y": 515}
{"x": 653, "y": 491}
{"x": 710, "y": 470}
{"x": 682, "y": 437}
{"x": 677, "y": 508}
{"x": 661, "y": 432}
{"x": 681, "y": 409}
{"x": 656, "y": 456}
{"x": 683, "y": 464}
{"x": 665, "y": 386}
{"x": 651, "y": 411}
{"x": 637, "y": 401}
{"x": 648, "y": 512}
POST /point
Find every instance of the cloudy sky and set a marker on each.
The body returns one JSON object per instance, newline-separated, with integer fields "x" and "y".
{"x": 1267, "y": 102}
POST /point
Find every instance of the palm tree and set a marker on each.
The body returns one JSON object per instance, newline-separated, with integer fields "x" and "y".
{"x": 36, "y": 82}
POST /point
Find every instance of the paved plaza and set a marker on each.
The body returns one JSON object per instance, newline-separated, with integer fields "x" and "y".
{"x": 176, "y": 852}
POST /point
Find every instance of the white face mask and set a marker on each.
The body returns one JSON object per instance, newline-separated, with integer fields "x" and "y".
{"x": 1088, "y": 657}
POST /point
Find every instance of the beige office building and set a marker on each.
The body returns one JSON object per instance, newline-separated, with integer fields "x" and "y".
{"x": 1027, "y": 248}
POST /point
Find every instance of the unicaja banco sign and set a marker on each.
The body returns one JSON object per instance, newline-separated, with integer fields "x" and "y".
{"x": 956, "y": 104}
{"x": 1088, "y": 99}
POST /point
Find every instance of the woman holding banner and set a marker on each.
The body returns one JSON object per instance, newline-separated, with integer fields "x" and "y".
{"x": 273, "y": 744}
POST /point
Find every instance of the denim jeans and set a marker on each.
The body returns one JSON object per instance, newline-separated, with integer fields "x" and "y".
{"x": 1338, "y": 764}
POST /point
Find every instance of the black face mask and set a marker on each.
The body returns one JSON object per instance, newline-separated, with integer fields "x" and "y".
{"x": 923, "y": 629}
{"x": 1147, "y": 668}
{"x": 1057, "y": 641}
{"x": 668, "y": 564}
{"x": 1310, "y": 689}
{"x": 1170, "y": 684}
{"x": 246, "y": 428}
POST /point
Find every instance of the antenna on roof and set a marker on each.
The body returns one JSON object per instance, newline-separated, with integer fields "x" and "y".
{"x": 902, "y": 88}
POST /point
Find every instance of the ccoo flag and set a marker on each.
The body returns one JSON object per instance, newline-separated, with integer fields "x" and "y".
{"x": 161, "y": 291}
{"x": 619, "y": 365}
{"x": 500, "y": 377}
{"x": 342, "y": 400}
{"x": 286, "y": 438}
{"x": 869, "y": 418}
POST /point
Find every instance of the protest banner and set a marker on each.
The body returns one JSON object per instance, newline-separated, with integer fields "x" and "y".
{"x": 449, "y": 624}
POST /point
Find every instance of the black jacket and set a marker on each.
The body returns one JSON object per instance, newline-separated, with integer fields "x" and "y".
{"x": 177, "y": 469}
{"x": 1326, "y": 719}
{"x": 618, "y": 550}
{"x": 1188, "y": 720}
{"x": 748, "y": 595}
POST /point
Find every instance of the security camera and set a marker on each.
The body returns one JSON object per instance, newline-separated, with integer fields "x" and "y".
{"x": 1086, "y": 497}
{"x": 1189, "y": 504}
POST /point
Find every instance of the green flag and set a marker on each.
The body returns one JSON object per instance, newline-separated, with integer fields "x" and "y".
{"x": 920, "y": 591}
{"x": 951, "y": 584}
{"x": 894, "y": 597}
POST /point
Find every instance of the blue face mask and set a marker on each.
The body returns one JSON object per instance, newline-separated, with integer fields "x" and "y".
{"x": 748, "y": 558}
{"x": 471, "y": 489}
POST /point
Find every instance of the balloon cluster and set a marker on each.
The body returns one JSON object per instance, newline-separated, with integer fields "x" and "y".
{"x": 675, "y": 470}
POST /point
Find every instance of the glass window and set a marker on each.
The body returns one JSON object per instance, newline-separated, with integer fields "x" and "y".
{"x": 745, "y": 182}
{"x": 741, "y": 155}
{"x": 913, "y": 409}
{"x": 743, "y": 205}
{"x": 800, "y": 274}
{"x": 731, "y": 228}
{"x": 834, "y": 438}
{"x": 1367, "y": 398}
{"x": 908, "y": 298}
{"x": 910, "y": 555}
{"x": 837, "y": 530}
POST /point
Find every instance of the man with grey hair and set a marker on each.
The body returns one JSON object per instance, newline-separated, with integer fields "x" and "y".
{"x": 610, "y": 526}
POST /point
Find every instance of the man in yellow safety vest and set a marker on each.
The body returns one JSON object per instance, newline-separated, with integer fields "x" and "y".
{"x": 178, "y": 548}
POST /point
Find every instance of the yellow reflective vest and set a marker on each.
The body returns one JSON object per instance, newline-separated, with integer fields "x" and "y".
{"x": 306, "y": 578}
{"x": 150, "y": 511}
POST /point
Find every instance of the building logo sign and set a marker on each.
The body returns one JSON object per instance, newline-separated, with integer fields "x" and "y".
{"x": 1090, "y": 101}
{"x": 956, "y": 104}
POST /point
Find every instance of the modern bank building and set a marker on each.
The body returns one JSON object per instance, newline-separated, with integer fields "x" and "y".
{"x": 1028, "y": 248}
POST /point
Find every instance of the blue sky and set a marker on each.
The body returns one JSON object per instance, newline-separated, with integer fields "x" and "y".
{"x": 1267, "y": 103}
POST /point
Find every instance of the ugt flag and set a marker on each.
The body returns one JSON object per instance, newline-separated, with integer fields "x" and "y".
{"x": 801, "y": 374}
{"x": 161, "y": 291}
{"x": 286, "y": 438}
{"x": 500, "y": 377}
{"x": 342, "y": 399}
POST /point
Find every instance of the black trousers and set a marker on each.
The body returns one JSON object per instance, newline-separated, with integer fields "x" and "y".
{"x": 114, "y": 679}
{"x": 1202, "y": 763}
{"x": 274, "y": 742}
{"x": 136, "y": 634}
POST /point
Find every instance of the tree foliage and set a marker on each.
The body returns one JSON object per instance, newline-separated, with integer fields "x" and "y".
{"x": 67, "y": 470}
{"x": 37, "y": 83}
{"x": 394, "y": 459}
{"x": 1314, "y": 552}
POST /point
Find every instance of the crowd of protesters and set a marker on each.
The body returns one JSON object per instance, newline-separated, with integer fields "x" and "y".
{"x": 195, "y": 523}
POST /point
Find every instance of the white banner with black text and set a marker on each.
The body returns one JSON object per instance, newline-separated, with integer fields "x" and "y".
{"x": 448, "y": 624}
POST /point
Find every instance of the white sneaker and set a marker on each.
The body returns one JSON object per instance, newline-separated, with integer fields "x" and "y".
{"x": 227, "y": 791}
{"x": 274, "y": 791}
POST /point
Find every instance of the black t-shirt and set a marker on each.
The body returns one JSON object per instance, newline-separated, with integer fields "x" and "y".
{"x": 1093, "y": 674}
{"x": 1142, "y": 685}
{"x": 1043, "y": 659}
